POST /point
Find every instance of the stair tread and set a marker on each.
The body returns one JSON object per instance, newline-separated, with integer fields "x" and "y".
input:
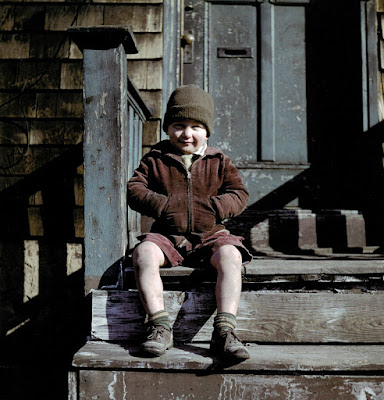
{"x": 332, "y": 265}
{"x": 288, "y": 358}
{"x": 295, "y": 266}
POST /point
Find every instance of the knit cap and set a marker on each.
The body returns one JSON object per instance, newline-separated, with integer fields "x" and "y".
{"x": 190, "y": 102}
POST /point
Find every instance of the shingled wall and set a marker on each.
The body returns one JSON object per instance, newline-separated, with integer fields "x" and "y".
{"x": 41, "y": 89}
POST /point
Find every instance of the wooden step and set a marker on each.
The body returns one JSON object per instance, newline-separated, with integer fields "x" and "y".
{"x": 272, "y": 358}
{"x": 299, "y": 230}
{"x": 264, "y": 316}
{"x": 281, "y": 268}
{"x": 116, "y": 371}
{"x": 307, "y": 341}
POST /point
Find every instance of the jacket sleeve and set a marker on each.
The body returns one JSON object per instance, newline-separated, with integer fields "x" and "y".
{"x": 233, "y": 196}
{"x": 140, "y": 196}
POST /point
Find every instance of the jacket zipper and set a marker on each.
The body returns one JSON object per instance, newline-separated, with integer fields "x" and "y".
{"x": 189, "y": 193}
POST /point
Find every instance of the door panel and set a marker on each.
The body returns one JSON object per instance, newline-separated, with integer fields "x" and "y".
{"x": 233, "y": 79}
{"x": 283, "y": 77}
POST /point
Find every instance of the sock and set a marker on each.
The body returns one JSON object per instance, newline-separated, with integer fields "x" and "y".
{"x": 224, "y": 320}
{"x": 160, "y": 318}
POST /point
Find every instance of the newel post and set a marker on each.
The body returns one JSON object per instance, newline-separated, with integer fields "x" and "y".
{"x": 113, "y": 113}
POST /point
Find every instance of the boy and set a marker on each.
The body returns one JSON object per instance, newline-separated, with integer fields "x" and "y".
{"x": 189, "y": 188}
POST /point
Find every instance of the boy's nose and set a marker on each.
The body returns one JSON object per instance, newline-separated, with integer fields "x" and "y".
{"x": 187, "y": 132}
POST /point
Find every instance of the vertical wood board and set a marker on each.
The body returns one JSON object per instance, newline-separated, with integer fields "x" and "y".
{"x": 105, "y": 135}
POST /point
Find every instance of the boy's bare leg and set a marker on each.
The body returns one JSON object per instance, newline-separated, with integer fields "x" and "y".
{"x": 227, "y": 261}
{"x": 225, "y": 343}
{"x": 147, "y": 260}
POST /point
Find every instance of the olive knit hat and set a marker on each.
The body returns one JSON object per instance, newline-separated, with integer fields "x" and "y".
{"x": 190, "y": 102}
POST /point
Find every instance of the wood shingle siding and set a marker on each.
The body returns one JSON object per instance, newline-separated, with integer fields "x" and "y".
{"x": 41, "y": 82}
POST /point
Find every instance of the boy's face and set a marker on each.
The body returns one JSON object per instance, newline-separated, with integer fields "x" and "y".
{"x": 187, "y": 136}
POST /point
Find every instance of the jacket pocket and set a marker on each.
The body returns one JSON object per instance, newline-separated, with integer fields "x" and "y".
{"x": 174, "y": 216}
{"x": 204, "y": 215}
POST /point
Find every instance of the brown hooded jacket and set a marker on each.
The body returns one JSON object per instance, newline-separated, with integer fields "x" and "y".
{"x": 183, "y": 202}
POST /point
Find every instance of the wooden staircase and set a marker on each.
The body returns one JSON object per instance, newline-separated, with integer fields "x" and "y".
{"x": 313, "y": 325}
{"x": 311, "y": 311}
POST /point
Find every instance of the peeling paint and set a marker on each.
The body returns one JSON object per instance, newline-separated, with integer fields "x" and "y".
{"x": 367, "y": 393}
{"x": 231, "y": 389}
{"x": 103, "y": 98}
{"x": 225, "y": 146}
{"x": 125, "y": 391}
{"x": 111, "y": 387}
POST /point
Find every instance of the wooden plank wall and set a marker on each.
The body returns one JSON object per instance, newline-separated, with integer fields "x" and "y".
{"x": 41, "y": 111}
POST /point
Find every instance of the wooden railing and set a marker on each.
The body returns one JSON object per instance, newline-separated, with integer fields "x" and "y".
{"x": 114, "y": 114}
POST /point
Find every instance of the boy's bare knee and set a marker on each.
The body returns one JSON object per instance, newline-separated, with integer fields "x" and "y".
{"x": 148, "y": 254}
{"x": 227, "y": 255}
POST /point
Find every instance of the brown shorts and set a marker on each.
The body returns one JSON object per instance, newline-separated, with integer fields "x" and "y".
{"x": 193, "y": 249}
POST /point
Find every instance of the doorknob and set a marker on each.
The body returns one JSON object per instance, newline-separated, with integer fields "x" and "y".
{"x": 187, "y": 43}
{"x": 187, "y": 39}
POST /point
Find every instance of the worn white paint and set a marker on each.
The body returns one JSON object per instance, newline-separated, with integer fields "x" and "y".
{"x": 231, "y": 389}
{"x": 15, "y": 328}
{"x": 74, "y": 257}
{"x": 364, "y": 391}
{"x": 111, "y": 387}
{"x": 31, "y": 270}
{"x": 103, "y": 99}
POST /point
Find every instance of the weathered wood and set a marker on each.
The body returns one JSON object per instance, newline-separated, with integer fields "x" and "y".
{"x": 74, "y": 258}
{"x": 113, "y": 117}
{"x": 284, "y": 266}
{"x": 14, "y": 45}
{"x": 105, "y": 125}
{"x": 136, "y": 385}
{"x": 72, "y": 385}
{"x": 59, "y": 17}
{"x": 282, "y": 358}
{"x": 139, "y": 386}
{"x": 269, "y": 270}
{"x": 142, "y": 18}
{"x": 31, "y": 270}
{"x": 332, "y": 266}
{"x": 35, "y": 221}
{"x": 368, "y": 17}
{"x": 146, "y": 75}
{"x": 263, "y": 316}
{"x": 150, "y": 46}
{"x": 104, "y": 37}
{"x": 71, "y": 76}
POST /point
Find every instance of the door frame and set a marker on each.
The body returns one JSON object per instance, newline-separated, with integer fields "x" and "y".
{"x": 173, "y": 12}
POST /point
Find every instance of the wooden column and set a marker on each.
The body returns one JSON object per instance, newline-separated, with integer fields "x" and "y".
{"x": 107, "y": 145}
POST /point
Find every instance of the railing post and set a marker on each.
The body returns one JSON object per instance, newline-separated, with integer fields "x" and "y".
{"x": 107, "y": 145}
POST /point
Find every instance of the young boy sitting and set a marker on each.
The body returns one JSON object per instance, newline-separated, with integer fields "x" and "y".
{"x": 189, "y": 189}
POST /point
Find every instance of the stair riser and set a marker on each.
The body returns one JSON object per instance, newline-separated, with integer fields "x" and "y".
{"x": 225, "y": 386}
{"x": 302, "y": 230}
{"x": 262, "y": 317}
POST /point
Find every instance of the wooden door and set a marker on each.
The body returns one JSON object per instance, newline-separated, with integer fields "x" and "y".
{"x": 251, "y": 57}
